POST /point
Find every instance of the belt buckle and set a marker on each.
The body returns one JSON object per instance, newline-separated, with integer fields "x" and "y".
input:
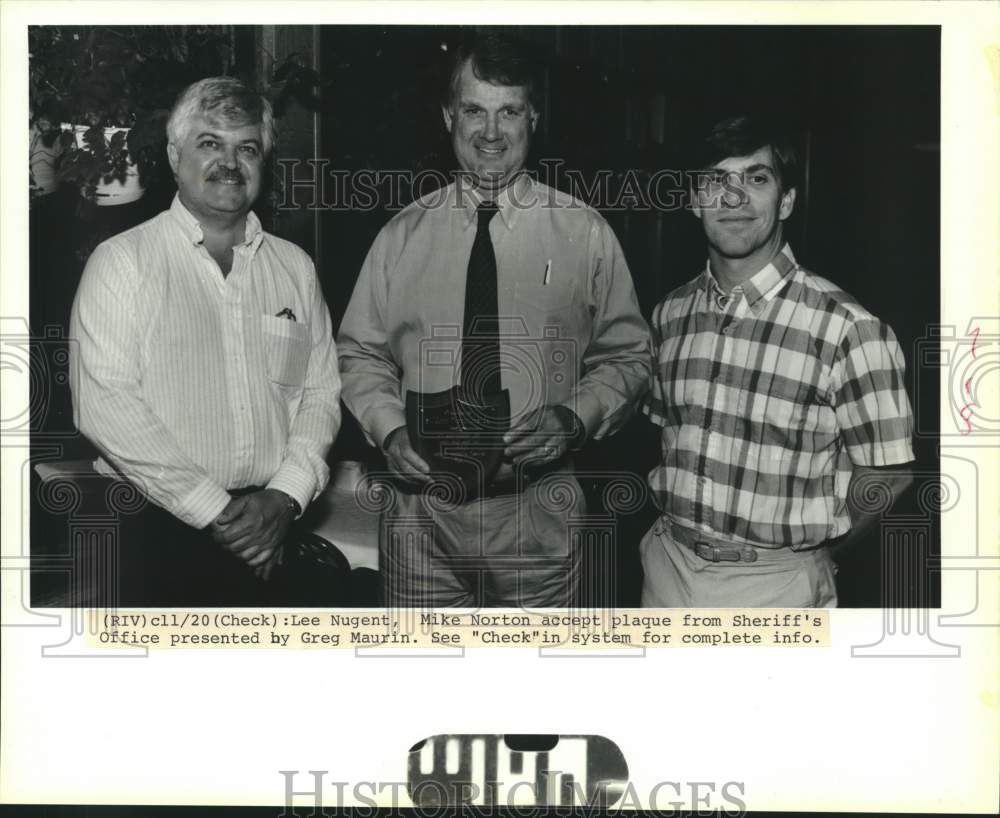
{"x": 706, "y": 551}
{"x": 714, "y": 553}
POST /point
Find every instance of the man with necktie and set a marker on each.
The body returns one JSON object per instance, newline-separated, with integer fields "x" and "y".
{"x": 493, "y": 329}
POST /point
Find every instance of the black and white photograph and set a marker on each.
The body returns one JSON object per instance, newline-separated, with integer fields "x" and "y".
{"x": 679, "y": 371}
{"x": 343, "y": 344}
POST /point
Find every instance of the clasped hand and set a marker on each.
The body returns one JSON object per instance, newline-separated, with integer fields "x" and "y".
{"x": 254, "y": 527}
{"x": 541, "y": 436}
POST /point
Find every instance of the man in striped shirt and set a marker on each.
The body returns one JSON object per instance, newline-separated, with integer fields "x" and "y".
{"x": 205, "y": 371}
{"x": 777, "y": 392}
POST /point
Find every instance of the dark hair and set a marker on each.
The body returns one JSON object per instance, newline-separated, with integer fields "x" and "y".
{"x": 744, "y": 135}
{"x": 498, "y": 58}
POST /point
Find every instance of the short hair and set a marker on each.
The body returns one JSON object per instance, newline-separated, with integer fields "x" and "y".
{"x": 498, "y": 58}
{"x": 744, "y": 135}
{"x": 226, "y": 98}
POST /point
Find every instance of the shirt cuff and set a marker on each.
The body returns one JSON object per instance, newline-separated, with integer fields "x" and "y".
{"x": 588, "y": 408}
{"x": 894, "y": 453}
{"x": 202, "y": 505}
{"x": 297, "y": 483}
{"x": 382, "y": 419}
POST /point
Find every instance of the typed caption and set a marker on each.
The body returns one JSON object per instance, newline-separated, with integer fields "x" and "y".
{"x": 289, "y": 630}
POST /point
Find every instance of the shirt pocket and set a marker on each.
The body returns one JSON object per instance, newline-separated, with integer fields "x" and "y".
{"x": 545, "y": 363}
{"x": 543, "y": 307}
{"x": 544, "y": 298}
{"x": 286, "y": 350}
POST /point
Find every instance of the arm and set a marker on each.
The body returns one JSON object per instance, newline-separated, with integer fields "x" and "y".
{"x": 876, "y": 424}
{"x": 370, "y": 374}
{"x": 653, "y": 405}
{"x": 303, "y": 472}
{"x": 255, "y": 526}
{"x": 108, "y": 408}
{"x": 371, "y": 377}
{"x": 616, "y": 365}
{"x": 886, "y": 485}
{"x": 616, "y": 362}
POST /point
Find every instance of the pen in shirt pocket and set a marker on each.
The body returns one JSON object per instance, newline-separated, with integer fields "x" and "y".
{"x": 548, "y": 273}
{"x": 286, "y": 313}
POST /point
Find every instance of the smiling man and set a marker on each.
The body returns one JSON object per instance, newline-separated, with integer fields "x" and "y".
{"x": 205, "y": 370}
{"x": 777, "y": 393}
{"x": 501, "y": 313}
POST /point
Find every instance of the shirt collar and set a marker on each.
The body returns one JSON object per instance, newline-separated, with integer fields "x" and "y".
{"x": 763, "y": 285}
{"x": 252, "y": 236}
{"x": 510, "y": 202}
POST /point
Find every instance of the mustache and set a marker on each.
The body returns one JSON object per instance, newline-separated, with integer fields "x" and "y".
{"x": 226, "y": 175}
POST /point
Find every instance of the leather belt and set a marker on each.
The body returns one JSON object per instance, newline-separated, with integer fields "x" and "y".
{"x": 714, "y": 553}
{"x": 712, "y": 550}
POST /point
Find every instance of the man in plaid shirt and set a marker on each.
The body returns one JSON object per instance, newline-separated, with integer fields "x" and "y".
{"x": 775, "y": 390}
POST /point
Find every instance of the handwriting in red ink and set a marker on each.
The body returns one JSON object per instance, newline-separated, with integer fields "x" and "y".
{"x": 970, "y": 405}
{"x": 968, "y": 389}
{"x": 965, "y": 417}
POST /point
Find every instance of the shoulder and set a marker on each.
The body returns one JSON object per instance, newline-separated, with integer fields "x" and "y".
{"x": 679, "y": 301}
{"x": 136, "y": 249}
{"x": 142, "y": 234}
{"x": 428, "y": 209}
{"x": 566, "y": 206}
{"x": 839, "y": 324}
{"x": 843, "y": 311}
{"x": 289, "y": 252}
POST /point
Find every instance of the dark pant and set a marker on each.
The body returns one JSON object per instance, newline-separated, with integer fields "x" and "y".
{"x": 166, "y": 563}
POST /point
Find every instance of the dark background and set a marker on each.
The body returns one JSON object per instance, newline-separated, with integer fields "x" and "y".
{"x": 865, "y": 102}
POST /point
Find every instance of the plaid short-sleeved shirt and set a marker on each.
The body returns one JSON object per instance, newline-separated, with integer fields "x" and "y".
{"x": 768, "y": 398}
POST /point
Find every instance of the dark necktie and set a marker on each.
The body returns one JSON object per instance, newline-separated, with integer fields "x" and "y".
{"x": 480, "y": 342}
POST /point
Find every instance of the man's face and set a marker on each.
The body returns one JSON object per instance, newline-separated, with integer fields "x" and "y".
{"x": 218, "y": 166}
{"x": 491, "y": 127}
{"x": 742, "y": 206}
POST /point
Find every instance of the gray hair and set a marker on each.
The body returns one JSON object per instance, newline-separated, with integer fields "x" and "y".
{"x": 224, "y": 98}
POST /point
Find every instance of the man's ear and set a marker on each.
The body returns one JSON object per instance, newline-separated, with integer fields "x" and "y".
{"x": 446, "y": 113}
{"x": 173, "y": 156}
{"x": 534, "y": 116}
{"x": 787, "y": 204}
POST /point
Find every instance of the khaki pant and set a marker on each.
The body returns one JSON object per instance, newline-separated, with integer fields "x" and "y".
{"x": 511, "y": 551}
{"x": 676, "y": 577}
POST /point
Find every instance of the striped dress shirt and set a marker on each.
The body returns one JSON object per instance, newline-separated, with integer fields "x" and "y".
{"x": 190, "y": 383}
{"x": 768, "y": 399}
